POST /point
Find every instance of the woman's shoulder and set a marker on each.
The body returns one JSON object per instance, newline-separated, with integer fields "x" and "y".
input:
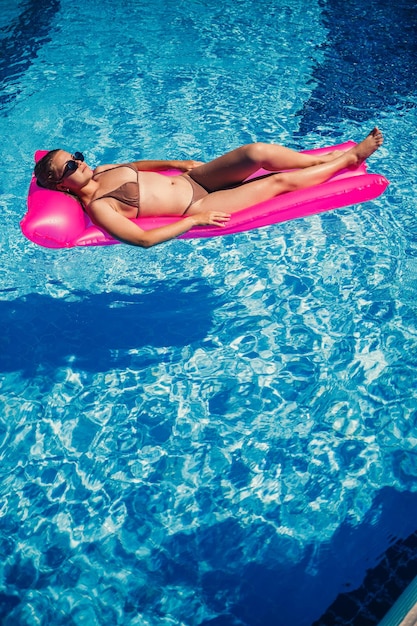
{"x": 111, "y": 166}
{"x": 104, "y": 168}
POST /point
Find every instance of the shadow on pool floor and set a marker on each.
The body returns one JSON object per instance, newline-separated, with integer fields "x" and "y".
{"x": 381, "y": 588}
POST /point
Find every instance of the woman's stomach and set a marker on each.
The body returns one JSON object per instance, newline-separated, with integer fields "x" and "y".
{"x": 163, "y": 195}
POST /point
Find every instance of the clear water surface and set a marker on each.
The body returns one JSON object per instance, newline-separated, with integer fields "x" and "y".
{"x": 212, "y": 431}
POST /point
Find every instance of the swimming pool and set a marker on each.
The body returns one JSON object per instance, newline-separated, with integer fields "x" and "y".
{"x": 209, "y": 432}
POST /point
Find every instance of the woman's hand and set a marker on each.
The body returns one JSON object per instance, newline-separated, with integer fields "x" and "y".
{"x": 211, "y": 218}
{"x": 186, "y": 165}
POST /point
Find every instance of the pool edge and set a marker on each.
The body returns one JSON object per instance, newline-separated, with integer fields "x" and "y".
{"x": 404, "y": 611}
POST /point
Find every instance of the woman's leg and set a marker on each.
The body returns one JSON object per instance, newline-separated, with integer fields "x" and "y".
{"x": 235, "y": 166}
{"x": 243, "y": 196}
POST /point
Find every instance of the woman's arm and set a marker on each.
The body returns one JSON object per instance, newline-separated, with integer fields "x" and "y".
{"x": 157, "y": 166}
{"x": 128, "y": 232}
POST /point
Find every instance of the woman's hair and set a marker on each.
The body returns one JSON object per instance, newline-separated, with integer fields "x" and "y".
{"x": 44, "y": 172}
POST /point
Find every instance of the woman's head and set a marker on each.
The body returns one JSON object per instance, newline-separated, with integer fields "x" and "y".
{"x": 51, "y": 171}
{"x": 45, "y": 172}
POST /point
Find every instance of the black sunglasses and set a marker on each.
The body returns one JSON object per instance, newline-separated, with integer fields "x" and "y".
{"x": 71, "y": 165}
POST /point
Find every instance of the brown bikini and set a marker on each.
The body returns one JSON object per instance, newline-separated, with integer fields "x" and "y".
{"x": 129, "y": 193}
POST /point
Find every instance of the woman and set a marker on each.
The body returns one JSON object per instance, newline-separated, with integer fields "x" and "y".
{"x": 205, "y": 194}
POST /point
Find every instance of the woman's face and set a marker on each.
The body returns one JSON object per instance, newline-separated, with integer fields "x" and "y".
{"x": 70, "y": 170}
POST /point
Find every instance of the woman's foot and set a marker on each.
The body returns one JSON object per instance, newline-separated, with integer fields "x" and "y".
{"x": 359, "y": 153}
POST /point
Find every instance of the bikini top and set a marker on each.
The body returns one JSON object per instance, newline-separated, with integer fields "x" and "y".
{"x": 128, "y": 193}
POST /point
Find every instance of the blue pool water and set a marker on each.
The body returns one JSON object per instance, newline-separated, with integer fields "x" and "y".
{"x": 213, "y": 431}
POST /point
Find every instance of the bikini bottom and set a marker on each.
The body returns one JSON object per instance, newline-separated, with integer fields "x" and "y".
{"x": 199, "y": 191}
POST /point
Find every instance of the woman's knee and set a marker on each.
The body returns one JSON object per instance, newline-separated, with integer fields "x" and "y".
{"x": 256, "y": 152}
